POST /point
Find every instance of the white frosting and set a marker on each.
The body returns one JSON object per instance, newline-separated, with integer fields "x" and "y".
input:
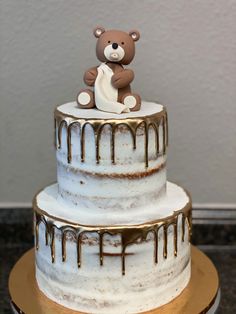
{"x": 71, "y": 108}
{"x": 51, "y": 202}
{"x": 92, "y": 192}
{"x": 106, "y": 95}
{"x": 102, "y": 289}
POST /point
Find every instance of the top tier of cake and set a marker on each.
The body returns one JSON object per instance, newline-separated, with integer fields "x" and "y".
{"x": 107, "y": 161}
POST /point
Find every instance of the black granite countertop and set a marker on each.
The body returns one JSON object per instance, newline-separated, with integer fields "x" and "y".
{"x": 218, "y": 242}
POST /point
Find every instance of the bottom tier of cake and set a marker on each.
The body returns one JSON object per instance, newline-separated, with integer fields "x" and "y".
{"x": 112, "y": 268}
{"x": 202, "y": 294}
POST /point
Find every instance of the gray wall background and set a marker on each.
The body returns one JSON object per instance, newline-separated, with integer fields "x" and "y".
{"x": 186, "y": 58}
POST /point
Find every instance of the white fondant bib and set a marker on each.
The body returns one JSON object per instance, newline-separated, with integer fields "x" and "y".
{"x": 105, "y": 94}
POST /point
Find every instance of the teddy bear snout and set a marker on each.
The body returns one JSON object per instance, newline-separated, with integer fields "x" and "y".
{"x": 114, "y": 45}
{"x": 114, "y": 54}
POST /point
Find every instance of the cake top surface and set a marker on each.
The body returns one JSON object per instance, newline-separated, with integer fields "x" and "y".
{"x": 176, "y": 198}
{"x": 71, "y": 109}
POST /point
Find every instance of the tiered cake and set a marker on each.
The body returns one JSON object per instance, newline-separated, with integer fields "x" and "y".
{"x": 112, "y": 236}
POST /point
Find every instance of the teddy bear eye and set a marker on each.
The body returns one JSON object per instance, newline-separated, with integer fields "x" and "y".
{"x": 109, "y": 41}
{"x": 122, "y": 43}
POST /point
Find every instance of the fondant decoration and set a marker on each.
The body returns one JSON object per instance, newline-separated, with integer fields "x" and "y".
{"x": 111, "y": 82}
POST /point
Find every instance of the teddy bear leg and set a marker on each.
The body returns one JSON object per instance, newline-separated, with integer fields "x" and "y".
{"x": 85, "y": 99}
{"x": 132, "y": 101}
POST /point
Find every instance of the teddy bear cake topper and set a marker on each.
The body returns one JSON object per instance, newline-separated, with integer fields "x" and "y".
{"x": 110, "y": 80}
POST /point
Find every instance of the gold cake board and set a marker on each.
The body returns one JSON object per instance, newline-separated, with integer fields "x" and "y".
{"x": 200, "y": 295}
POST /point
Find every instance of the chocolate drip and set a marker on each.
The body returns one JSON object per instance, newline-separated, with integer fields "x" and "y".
{"x": 37, "y": 234}
{"x": 183, "y": 226}
{"x": 156, "y": 132}
{"x": 189, "y": 223}
{"x": 130, "y": 234}
{"x": 175, "y": 225}
{"x": 165, "y": 239}
{"x": 46, "y": 237}
{"x": 63, "y": 246}
{"x": 155, "y": 234}
{"x": 146, "y": 129}
{"x": 113, "y": 144}
{"x": 51, "y": 231}
{"x": 55, "y": 133}
{"x": 101, "y": 247}
{"x": 69, "y": 142}
{"x": 167, "y": 132}
{"x": 79, "y": 250}
{"x": 133, "y": 124}
{"x": 59, "y": 131}
{"x": 82, "y": 131}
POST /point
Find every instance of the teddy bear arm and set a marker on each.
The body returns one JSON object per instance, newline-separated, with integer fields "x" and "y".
{"x": 90, "y": 76}
{"x": 129, "y": 75}
{"x": 122, "y": 78}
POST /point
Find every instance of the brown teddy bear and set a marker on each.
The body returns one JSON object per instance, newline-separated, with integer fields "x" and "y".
{"x": 111, "y": 82}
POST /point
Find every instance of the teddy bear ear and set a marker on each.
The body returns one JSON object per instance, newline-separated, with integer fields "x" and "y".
{"x": 135, "y": 35}
{"x": 98, "y": 31}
